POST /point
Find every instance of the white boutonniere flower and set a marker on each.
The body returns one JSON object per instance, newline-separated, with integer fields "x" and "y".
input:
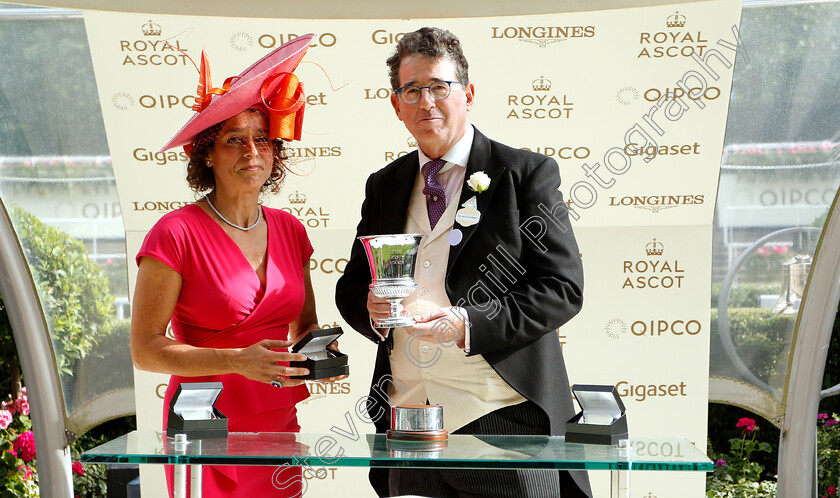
{"x": 478, "y": 182}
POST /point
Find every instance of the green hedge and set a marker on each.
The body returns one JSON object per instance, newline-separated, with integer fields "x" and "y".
{"x": 761, "y": 338}
{"x": 73, "y": 291}
{"x": 745, "y": 296}
{"x": 112, "y": 355}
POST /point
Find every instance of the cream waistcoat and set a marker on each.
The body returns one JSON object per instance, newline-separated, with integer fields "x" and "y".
{"x": 466, "y": 386}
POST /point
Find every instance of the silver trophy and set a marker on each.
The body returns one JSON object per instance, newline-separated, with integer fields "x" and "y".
{"x": 391, "y": 259}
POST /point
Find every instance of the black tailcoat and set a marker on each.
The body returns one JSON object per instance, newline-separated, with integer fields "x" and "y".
{"x": 517, "y": 272}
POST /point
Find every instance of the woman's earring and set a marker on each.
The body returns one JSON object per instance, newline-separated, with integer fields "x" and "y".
{"x": 208, "y": 164}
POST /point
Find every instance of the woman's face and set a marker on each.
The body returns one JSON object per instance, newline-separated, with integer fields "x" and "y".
{"x": 242, "y": 156}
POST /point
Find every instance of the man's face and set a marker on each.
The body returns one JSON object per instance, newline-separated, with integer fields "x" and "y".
{"x": 436, "y": 124}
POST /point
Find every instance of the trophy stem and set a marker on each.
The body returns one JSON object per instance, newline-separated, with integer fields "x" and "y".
{"x": 396, "y": 307}
{"x": 396, "y": 319}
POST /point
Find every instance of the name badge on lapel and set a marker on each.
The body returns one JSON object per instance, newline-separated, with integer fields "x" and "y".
{"x": 468, "y": 215}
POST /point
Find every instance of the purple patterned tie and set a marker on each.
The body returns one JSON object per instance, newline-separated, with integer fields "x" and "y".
{"x": 434, "y": 192}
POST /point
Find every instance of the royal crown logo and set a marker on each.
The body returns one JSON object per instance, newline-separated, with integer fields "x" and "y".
{"x": 676, "y": 21}
{"x": 654, "y": 248}
{"x": 151, "y": 29}
{"x": 412, "y": 142}
{"x": 297, "y": 198}
{"x": 541, "y": 84}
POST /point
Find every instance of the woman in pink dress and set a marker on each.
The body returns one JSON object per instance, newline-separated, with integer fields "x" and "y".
{"x": 232, "y": 276}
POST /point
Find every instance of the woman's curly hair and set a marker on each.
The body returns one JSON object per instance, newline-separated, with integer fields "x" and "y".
{"x": 201, "y": 178}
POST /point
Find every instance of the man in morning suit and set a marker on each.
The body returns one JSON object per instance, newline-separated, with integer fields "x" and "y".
{"x": 498, "y": 270}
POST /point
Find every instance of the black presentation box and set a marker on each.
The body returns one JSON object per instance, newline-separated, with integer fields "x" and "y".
{"x": 321, "y": 362}
{"x": 602, "y": 419}
{"x": 191, "y": 411}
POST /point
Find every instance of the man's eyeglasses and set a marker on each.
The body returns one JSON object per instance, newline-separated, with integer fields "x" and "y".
{"x": 439, "y": 90}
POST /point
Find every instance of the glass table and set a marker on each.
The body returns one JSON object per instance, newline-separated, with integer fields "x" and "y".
{"x": 345, "y": 449}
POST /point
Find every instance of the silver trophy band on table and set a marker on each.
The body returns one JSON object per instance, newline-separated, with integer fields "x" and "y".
{"x": 392, "y": 259}
{"x": 415, "y": 429}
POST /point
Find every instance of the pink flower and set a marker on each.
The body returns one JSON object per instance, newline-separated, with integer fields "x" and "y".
{"x": 9, "y": 405}
{"x": 830, "y": 422}
{"x": 78, "y": 468}
{"x": 24, "y": 444}
{"x": 831, "y": 490}
{"x": 747, "y": 425}
{"x": 822, "y": 416}
{"x": 22, "y": 404}
{"x": 720, "y": 462}
{"x": 6, "y": 419}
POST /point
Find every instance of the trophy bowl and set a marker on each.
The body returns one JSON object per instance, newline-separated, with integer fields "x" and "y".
{"x": 391, "y": 259}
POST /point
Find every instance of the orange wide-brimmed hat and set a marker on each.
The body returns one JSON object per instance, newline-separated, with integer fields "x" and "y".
{"x": 268, "y": 85}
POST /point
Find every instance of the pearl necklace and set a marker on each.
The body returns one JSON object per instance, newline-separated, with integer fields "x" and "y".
{"x": 234, "y": 225}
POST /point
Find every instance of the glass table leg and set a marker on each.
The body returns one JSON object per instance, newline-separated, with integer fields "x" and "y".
{"x": 195, "y": 474}
{"x": 195, "y": 481}
{"x": 179, "y": 486}
{"x": 619, "y": 484}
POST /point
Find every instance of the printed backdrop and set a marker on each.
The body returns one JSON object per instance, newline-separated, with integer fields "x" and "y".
{"x": 631, "y": 103}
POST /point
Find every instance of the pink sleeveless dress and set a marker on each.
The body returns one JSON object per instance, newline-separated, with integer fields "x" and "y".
{"x": 223, "y": 305}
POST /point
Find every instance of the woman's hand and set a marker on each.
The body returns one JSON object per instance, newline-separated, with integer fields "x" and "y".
{"x": 333, "y": 347}
{"x": 259, "y": 362}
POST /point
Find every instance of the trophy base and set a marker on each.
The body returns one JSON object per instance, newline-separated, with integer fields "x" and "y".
{"x": 393, "y": 322}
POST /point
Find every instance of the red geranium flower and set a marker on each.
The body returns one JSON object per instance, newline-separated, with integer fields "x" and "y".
{"x": 78, "y": 468}
{"x": 747, "y": 425}
{"x": 24, "y": 445}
